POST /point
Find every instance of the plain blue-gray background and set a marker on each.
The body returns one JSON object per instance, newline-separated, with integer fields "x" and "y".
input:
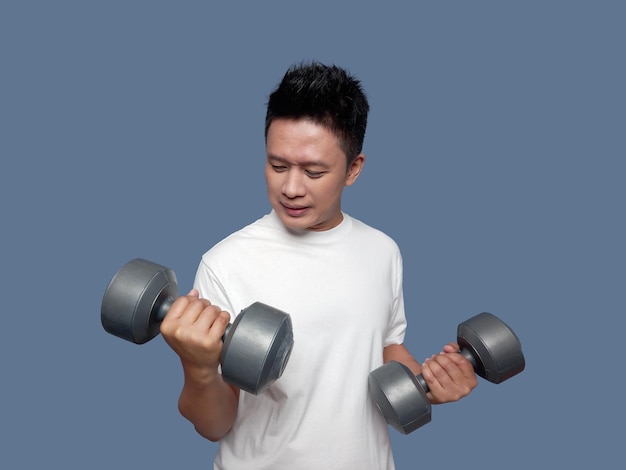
{"x": 495, "y": 158}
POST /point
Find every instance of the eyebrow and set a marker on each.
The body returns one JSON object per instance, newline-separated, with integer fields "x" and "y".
{"x": 276, "y": 158}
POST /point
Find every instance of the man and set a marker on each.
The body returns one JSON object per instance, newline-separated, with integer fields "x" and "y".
{"x": 339, "y": 279}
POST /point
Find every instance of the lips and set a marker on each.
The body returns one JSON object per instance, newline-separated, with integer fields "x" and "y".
{"x": 295, "y": 211}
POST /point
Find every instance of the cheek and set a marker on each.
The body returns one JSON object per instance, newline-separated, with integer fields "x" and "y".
{"x": 336, "y": 187}
{"x": 271, "y": 182}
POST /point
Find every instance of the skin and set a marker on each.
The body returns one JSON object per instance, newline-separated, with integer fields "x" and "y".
{"x": 193, "y": 328}
{"x": 306, "y": 173}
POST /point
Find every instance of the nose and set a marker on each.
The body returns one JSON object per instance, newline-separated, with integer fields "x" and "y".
{"x": 293, "y": 185}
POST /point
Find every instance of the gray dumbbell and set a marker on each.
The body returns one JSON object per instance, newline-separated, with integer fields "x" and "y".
{"x": 256, "y": 346}
{"x": 486, "y": 341}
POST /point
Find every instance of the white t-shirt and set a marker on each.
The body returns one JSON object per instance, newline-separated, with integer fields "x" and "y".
{"x": 343, "y": 290}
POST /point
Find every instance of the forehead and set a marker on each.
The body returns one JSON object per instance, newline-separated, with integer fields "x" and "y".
{"x": 302, "y": 140}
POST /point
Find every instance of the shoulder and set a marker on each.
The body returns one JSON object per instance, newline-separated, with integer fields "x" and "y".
{"x": 246, "y": 238}
{"x": 373, "y": 235}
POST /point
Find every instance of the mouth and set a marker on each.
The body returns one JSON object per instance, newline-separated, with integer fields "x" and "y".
{"x": 294, "y": 211}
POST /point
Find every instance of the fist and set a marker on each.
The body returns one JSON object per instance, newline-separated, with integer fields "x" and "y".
{"x": 449, "y": 375}
{"x": 193, "y": 328}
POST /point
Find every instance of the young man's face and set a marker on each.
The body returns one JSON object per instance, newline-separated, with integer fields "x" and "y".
{"x": 306, "y": 173}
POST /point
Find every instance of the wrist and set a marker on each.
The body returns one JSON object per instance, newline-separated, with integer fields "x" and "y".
{"x": 201, "y": 375}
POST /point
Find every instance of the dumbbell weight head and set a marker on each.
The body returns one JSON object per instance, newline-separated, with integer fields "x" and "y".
{"x": 256, "y": 346}
{"x": 491, "y": 346}
{"x": 400, "y": 397}
{"x": 137, "y": 299}
{"x": 255, "y": 357}
{"x": 486, "y": 341}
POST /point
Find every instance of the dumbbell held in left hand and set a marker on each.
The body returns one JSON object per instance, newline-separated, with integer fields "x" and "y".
{"x": 493, "y": 349}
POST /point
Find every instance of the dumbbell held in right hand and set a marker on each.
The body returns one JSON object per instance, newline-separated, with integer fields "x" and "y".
{"x": 257, "y": 345}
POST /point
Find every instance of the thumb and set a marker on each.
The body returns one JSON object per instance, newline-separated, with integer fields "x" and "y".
{"x": 451, "y": 347}
{"x": 194, "y": 293}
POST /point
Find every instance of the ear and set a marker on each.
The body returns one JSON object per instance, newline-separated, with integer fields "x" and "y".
{"x": 355, "y": 169}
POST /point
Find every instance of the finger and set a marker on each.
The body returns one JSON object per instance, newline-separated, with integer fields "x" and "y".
{"x": 454, "y": 373}
{"x": 427, "y": 373}
{"x": 218, "y": 326}
{"x": 436, "y": 390}
{"x": 462, "y": 364}
{"x": 459, "y": 359}
{"x": 451, "y": 348}
{"x": 194, "y": 293}
{"x": 433, "y": 373}
{"x": 442, "y": 388}
{"x": 449, "y": 365}
{"x": 193, "y": 326}
{"x": 197, "y": 309}
{"x": 187, "y": 309}
{"x": 206, "y": 317}
{"x": 444, "y": 369}
{"x": 176, "y": 309}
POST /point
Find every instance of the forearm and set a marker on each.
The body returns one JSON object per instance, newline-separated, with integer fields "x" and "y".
{"x": 399, "y": 353}
{"x": 208, "y": 402}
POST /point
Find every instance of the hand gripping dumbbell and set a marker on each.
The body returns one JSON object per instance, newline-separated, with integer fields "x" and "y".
{"x": 486, "y": 341}
{"x": 256, "y": 346}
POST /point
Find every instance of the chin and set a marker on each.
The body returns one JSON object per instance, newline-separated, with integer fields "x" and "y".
{"x": 293, "y": 223}
{"x": 296, "y": 223}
